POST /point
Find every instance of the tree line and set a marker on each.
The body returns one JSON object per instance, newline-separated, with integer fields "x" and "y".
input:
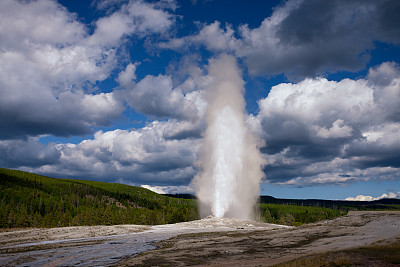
{"x": 296, "y": 215}
{"x": 29, "y": 200}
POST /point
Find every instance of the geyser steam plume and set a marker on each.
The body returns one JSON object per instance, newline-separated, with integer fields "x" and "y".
{"x": 230, "y": 162}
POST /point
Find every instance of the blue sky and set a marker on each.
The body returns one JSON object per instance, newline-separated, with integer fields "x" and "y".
{"x": 113, "y": 90}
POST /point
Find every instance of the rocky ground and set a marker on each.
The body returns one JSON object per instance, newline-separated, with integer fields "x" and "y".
{"x": 211, "y": 241}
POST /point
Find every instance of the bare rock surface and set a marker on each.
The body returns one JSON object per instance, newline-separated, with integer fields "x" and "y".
{"x": 210, "y": 241}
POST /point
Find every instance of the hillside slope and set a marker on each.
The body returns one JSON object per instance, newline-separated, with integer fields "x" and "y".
{"x": 30, "y": 200}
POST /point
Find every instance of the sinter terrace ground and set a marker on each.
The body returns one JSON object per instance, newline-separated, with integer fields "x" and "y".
{"x": 219, "y": 242}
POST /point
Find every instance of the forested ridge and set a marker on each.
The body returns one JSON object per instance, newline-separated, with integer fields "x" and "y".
{"x": 30, "y": 200}
{"x": 381, "y": 204}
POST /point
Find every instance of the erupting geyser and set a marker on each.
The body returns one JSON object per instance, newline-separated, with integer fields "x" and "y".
{"x": 230, "y": 162}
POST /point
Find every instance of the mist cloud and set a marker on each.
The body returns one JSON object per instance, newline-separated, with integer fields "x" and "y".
{"x": 230, "y": 163}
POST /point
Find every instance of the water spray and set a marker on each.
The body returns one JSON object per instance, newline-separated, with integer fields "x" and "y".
{"x": 230, "y": 163}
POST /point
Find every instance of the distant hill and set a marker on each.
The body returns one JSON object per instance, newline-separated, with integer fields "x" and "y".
{"x": 299, "y": 211}
{"x": 386, "y": 203}
{"x": 30, "y": 200}
{"x": 185, "y": 196}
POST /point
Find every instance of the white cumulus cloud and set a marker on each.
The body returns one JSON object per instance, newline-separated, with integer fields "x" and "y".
{"x": 304, "y": 38}
{"x": 155, "y": 96}
{"x": 51, "y": 63}
{"x": 181, "y": 189}
{"x": 142, "y": 156}
{"x": 369, "y": 198}
{"x": 320, "y": 132}
{"x": 156, "y": 189}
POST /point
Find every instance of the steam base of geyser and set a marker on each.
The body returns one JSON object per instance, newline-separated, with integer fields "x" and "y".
{"x": 236, "y": 224}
